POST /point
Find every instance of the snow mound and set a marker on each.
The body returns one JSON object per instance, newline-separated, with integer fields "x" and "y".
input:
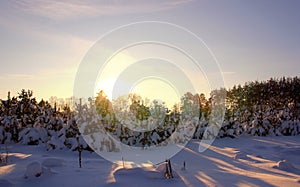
{"x": 33, "y": 169}
{"x": 53, "y": 162}
{"x": 6, "y": 183}
{"x": 162, "y": 168}
{"x": 47, "y": 171}
{"x": 145, "y": 176}
{"x": 240, "y": 155}
{"x": 286, "y": 166}
{"x": 140, "y": 172}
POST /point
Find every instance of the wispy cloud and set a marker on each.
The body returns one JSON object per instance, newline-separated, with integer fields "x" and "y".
{"x": 228, "y": 72}
{"x": 62, "y": 10}
{"x": 17, "y": 76}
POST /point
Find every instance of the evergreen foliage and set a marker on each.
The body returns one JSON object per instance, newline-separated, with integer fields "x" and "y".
{"x": 267, "y": 108}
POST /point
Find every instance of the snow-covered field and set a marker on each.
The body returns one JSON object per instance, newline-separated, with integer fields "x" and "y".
{"x": 244, "y": 161}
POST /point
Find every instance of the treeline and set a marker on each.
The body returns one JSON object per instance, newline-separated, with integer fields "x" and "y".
{"x": 25, "y": 120}
{"x": 257, "y": 108}
{"x": 267, "y": 108}
{"x": 283, "y": 93}
{"x": 263, "y": 108}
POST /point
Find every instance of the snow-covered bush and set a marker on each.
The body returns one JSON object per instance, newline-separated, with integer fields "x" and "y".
{"x": 33, "y": 169}
{"x": 269, "y": 108}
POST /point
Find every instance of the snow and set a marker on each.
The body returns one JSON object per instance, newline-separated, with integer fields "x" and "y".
{"x": 33, "y": 169}
{"x": 240, "y": 155}
{"x": 287, "y": 166}
{"x": 161, "y": 168}
{"x": 6, "y": 183}
{"x": 243, "y": 161}
{"x": 53, "y": 162}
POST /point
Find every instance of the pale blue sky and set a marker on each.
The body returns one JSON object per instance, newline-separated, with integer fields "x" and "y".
{"x": 43, "y": 42}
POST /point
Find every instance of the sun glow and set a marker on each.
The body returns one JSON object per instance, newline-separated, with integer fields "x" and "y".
{"x": 147, "y": 87}
{"x": 157, "y": 89}
{"x": 155, "y": 72}
{"x": 113, "y": 67}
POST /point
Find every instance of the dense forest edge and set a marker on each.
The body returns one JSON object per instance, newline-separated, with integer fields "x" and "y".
{"x": 266, "y": 108}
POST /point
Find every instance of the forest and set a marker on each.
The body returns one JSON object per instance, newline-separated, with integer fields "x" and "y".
{"x": 266, "y": 108}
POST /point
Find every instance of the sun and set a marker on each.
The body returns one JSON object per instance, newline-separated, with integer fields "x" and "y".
{"x": 110, "y": 71}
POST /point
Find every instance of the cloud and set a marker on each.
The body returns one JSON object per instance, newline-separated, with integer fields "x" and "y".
{"x": 63, "y": 10}
{"x": 228, "y": 72}
{"x": 17, "y": 76}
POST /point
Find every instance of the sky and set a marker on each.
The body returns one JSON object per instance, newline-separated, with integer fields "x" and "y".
{"x": 43, "y": 43}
